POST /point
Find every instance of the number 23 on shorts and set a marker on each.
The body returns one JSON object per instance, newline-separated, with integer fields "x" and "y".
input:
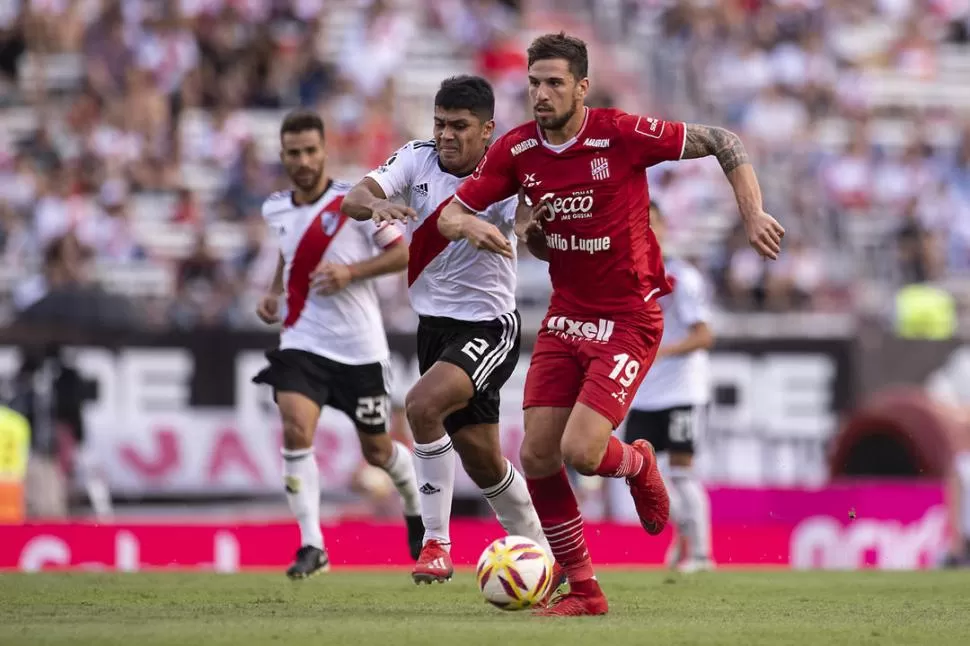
{"x": 372, "y": 411}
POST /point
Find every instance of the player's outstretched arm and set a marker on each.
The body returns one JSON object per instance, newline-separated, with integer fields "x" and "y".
{"x": 764, "y": 232}
{"x": 329, "y": 278}
{"x": 367, "y": 201}
{"x": 457, "y": 221}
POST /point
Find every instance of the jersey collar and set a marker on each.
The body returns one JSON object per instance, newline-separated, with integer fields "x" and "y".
{"x": 445, "y": 170}
{"x": 566, "y": 145}
{"x": 314, "y": 200}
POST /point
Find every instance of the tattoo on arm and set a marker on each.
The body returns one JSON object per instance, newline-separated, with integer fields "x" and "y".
{"x": 710, "y": 140}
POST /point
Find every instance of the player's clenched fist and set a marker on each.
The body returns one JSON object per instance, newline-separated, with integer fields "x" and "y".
{"x": 268, "y": 309}
{"x": 764, "y": 234}
{"x": 386, "y": 211}
{"x": 486, "y": 236}
{"x": 329, "y": 278}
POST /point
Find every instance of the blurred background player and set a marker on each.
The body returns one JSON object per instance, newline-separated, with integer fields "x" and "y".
{"x": 333, "y": 350}
{"x": 468, "y": 331}
{"x": 670, "y": 407}
{"x": 584, "y": 168}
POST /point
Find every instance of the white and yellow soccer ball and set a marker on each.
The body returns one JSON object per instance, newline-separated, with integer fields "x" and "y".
{"x": 514, "y": 573}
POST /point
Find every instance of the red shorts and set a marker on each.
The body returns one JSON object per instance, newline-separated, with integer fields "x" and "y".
{"x": 595, "y": 361}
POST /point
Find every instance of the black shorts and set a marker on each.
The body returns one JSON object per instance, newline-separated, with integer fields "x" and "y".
{"x": 673, "y": 429}
{"x": 487, "y": 351}
{"x": 358, "y": 391}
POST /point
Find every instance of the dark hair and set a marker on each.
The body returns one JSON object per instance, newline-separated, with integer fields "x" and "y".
{"x": 301, "y": 121}
{"x": 568, "y": 48}
{"x": 466, "y": 92}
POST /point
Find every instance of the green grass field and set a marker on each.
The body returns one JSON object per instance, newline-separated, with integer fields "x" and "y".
{"x": 357, "y": 608}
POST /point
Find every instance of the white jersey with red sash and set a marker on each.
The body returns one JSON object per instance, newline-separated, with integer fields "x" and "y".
{"x": 445, "y": 278}
{"x": 346, "y": 326}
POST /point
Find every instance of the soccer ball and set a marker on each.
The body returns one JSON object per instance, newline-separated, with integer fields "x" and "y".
{"x": 514, "y": 573}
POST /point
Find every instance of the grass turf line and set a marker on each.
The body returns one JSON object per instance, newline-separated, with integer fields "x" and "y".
{"x": 357, "y": 608}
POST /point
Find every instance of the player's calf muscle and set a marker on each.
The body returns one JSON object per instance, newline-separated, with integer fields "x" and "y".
{"x": 481, "y": 454}
{"x": 376, "y": 448}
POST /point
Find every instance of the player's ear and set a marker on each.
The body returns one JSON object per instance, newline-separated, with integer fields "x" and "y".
{"x": 488, "y": 128}
{"x": 582, "y": 88}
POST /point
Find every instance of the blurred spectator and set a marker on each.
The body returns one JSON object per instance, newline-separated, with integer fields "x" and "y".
{"x": 66, "y": 292}
{"x": 203, "y": 289}
{"x": 123, "y": 123}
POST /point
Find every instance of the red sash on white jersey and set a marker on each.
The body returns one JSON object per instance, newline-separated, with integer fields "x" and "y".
{"x": 426, "y": 243}
{"x": 314, "y": 243}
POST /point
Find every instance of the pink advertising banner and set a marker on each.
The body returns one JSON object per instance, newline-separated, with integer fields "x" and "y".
{"x": 842, "y": 526}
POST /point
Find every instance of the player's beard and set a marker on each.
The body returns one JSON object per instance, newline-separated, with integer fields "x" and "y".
{"x": 552, "y": 122}
{"x": 307, "y": 179}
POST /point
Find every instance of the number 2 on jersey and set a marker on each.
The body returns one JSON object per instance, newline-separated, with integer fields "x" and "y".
{"x": 629, "y": 368}
{"x": 475, "y": 348}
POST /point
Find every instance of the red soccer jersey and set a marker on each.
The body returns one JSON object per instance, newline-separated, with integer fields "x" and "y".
{"x": 603, "y": 257}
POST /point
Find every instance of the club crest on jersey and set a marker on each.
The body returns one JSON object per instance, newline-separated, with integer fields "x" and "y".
{"x": 600, "y": 168}
{"x": 329, "y": 221}
{"x": 530, "y": 180}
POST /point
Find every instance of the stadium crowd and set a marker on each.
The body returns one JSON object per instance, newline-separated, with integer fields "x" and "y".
{"x": 137, "y": 137}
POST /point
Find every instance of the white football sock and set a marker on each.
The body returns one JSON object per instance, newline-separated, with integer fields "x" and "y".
{"x": 434, "y": 466}
{"x": 678, "y": 516}
{"x": 302, "y": 479}
{"x": 401, "y": 470}
{"x": 963, "y": 475}
{"x": 696, "y": 511}
{"x": 513, "y": 506}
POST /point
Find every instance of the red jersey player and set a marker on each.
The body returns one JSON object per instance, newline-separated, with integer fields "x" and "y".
{"x": 584, "y": 169}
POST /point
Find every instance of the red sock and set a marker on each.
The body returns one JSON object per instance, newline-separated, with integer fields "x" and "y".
{"x": 562, "y": 524}
{"x": 620, "y": 460}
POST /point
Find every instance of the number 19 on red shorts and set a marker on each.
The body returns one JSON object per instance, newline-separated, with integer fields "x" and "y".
{"x": 597, "y": 362}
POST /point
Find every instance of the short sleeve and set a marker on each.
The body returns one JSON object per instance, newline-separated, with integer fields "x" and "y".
{"x": 493, "y": 180}
{"x": 506, "y": 210}
{"x": 396, "y": 174}
{"x": 651, "y": 141}
{"x": 690, "y": 298}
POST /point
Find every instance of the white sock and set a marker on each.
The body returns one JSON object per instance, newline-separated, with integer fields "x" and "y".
{"x": 696, "y": 509}
{"x": 302, "y": 480}
{"x": 434, "y": 466}
{"x": 513, "y": 506}
{"x": 963, "y": 475}
{"x": 401, "y": 470}
{"x": 678, "y": 516}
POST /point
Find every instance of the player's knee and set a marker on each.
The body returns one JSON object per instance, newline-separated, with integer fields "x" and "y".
{"x": 584, "y": 457}
{"x": 422, "y": 412}
{"x": 296, "y": 434}
{"x": 538, "y": 461}
{"x": 681, "y": 459}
